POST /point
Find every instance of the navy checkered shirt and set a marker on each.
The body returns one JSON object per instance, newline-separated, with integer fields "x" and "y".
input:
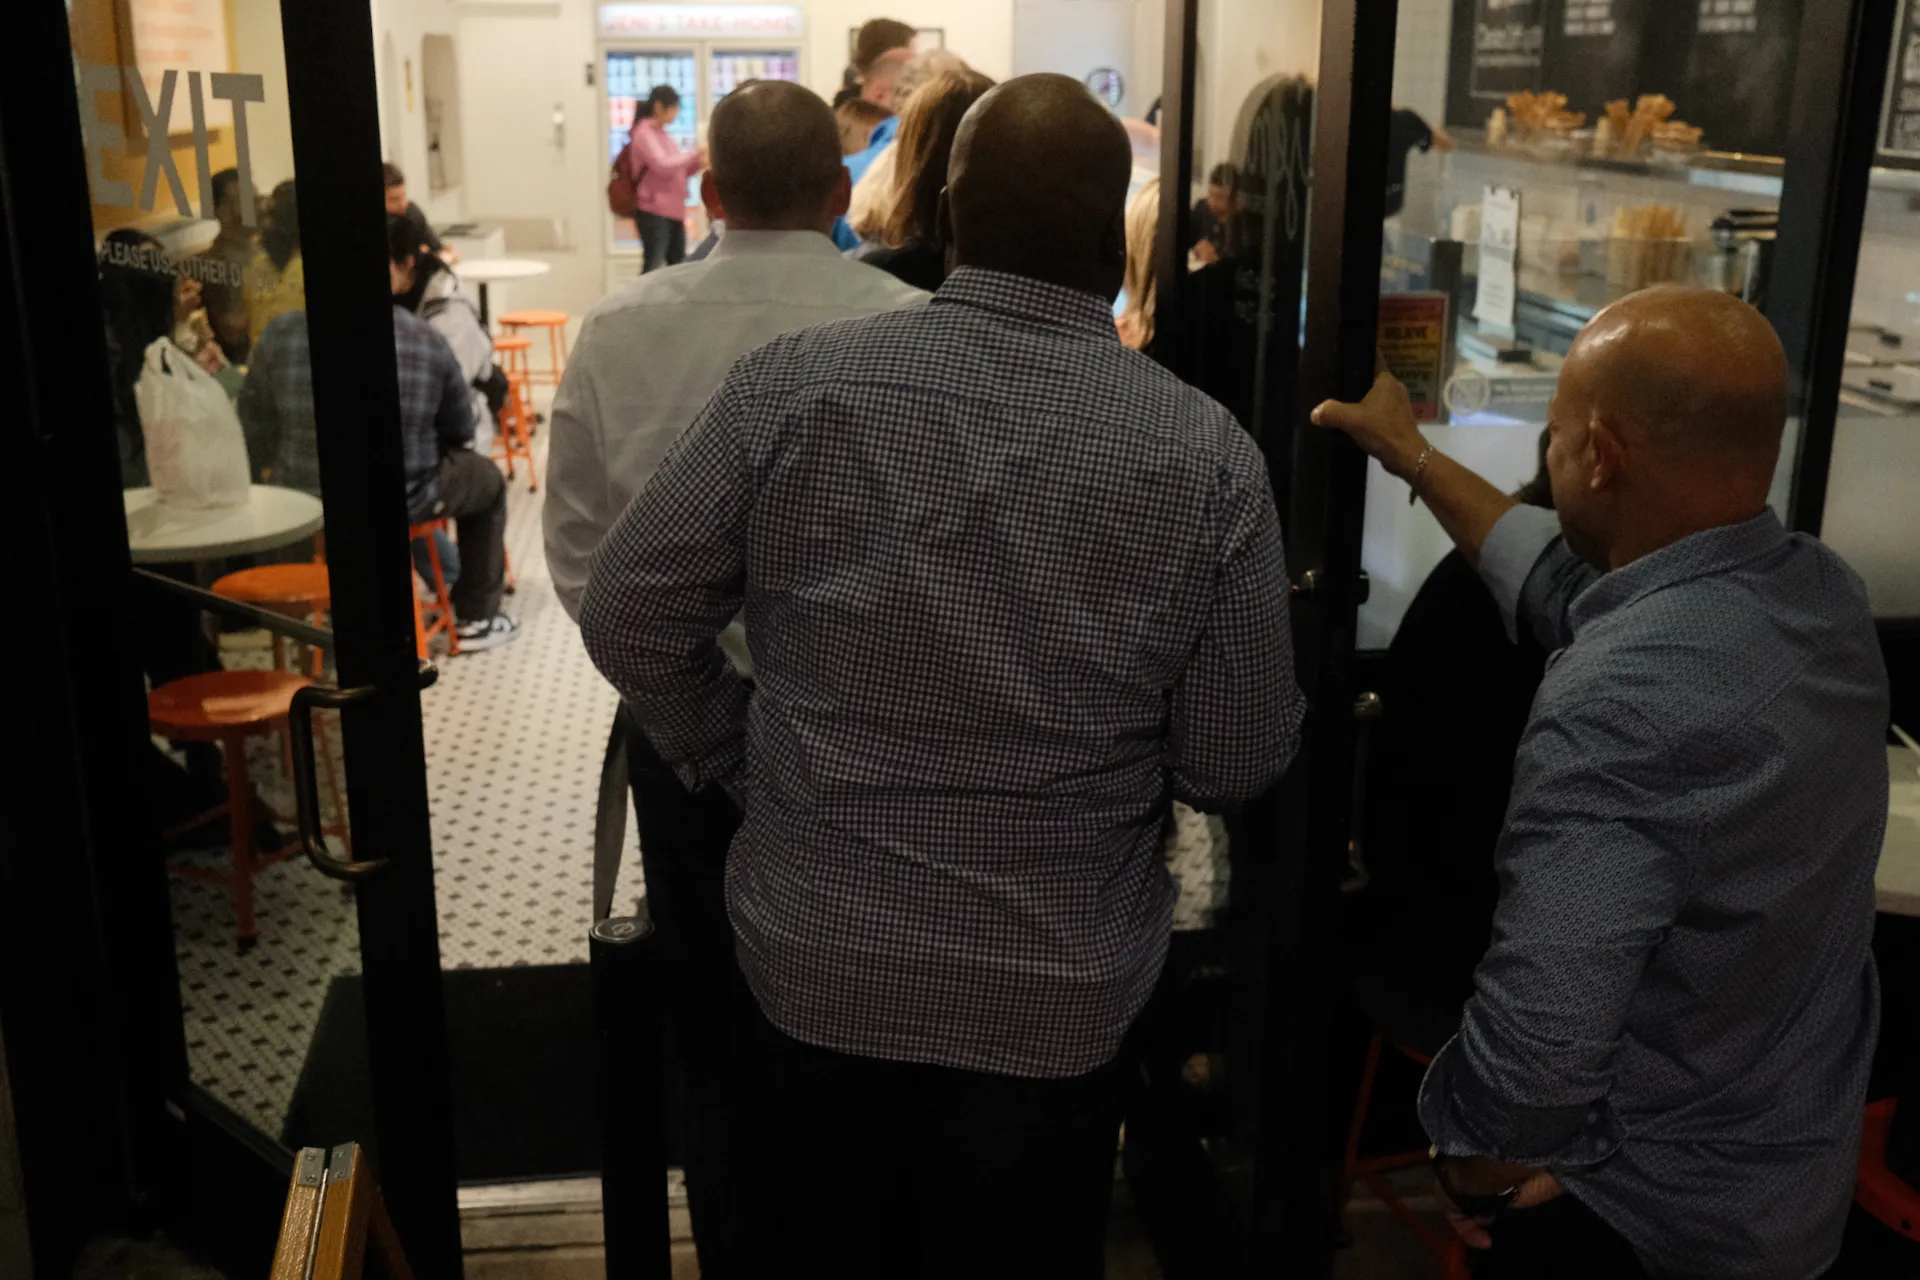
{"x": 1010, "y": 588}
{"x": 283, "y": 434}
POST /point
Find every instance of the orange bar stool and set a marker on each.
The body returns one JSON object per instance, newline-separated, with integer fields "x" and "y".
{"x": 1878, "y": 1189}
{"x": 555, "y": 323}
{"x": 228, "y": 707}
{"x": 516, "y": 419}
{"x": 1371, "y": 1169}
{"x": 288, "y": 588}
{"x": 512, "y": 350}
{"x": 436, "y": 617}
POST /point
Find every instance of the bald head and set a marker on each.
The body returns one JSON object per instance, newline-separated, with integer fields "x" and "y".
{"x": 775, "y": 158}
{"x": 1667, "y": 421}
{"x": 1688, "y": 370}
{"x": 1038, "y": 185}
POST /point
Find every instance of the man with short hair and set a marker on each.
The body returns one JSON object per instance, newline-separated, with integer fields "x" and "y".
{"x": 1012, "y": 589}
{"x": 877, "y": 86}
{"x": 648, "y": 358}
{"x": 1662, "y": 1068}
{"x": 223, "y": 286}
{"x": 399, "y": 205}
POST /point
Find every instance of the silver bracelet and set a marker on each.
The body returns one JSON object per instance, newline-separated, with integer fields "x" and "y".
{"x": 1419, "y": 472}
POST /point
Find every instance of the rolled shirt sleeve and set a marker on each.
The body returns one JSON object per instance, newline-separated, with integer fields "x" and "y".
{"x": 1591, "y": 881}
{"x": 666, "y": 581}
{"x": 1533, "y": 575}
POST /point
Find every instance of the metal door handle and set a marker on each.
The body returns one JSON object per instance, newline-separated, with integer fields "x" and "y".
{"x": 306, "y": 781}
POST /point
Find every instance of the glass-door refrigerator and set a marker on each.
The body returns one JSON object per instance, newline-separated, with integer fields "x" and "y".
{"x": 702, "y": 71}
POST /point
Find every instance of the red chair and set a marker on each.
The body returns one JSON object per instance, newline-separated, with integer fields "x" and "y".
{"x": 289, "y": 588}
{"x": 1878, "y": 1189}
{"x": 514, "y": 439}
{"x": 435, "y": 618}
{"x": 555, "y": 323}
{"x": 1372, "y": 1169}
{"x": 228, "y": 707}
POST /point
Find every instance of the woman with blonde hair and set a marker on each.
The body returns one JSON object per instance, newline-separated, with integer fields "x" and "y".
{"x": 1143, "y": 228}
{"x": 904, "y": 238}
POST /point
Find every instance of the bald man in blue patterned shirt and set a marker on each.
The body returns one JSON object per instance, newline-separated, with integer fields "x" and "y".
{"x": 1662, "y": 1068}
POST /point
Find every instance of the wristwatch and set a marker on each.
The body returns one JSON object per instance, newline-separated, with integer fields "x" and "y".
{"x": 1490, "y": 1205}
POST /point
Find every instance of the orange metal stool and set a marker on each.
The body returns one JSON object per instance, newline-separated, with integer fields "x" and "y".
{"x": 436, "y": 618}
{"x": 1878, "y": 1189}
{"x": 516, "y": 427}
{"x": 512, "y": 350}
{"x": 1370, "y": 1170}
{"x": 228, "y": 707}
{"x": 289, "y": 588}
{"x": 555, "y": 323}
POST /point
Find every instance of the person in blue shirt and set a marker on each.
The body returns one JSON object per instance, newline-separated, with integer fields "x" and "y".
{"x": 1662, "y": 1067}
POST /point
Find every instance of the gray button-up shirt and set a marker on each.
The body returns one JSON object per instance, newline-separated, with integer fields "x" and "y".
{"x": 1678, "y": 1010}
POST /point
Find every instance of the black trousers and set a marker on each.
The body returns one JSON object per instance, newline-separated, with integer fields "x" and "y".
{"x": 1563, "y": 1239}
{"x": 663, "y": 241}
{"x": 473, "y": 493}
{"x": 874, "y": 1168}
{"x": 684, "y": 838}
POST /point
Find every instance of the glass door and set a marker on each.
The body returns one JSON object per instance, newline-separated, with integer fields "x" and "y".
{"x": 223, "y": 478}
{"x": 631, "y": 74}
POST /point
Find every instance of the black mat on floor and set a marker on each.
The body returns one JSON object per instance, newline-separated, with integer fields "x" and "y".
{"x": 525, "y": 1074}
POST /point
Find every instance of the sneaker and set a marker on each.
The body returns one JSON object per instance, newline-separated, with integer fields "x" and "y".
{"x": 488, "y": 633}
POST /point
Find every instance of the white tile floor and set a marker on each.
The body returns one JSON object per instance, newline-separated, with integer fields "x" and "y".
{"x": 514, "y": 740}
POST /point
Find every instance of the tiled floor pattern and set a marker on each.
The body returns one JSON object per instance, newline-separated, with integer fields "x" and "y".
{"x": 514, "y": 741}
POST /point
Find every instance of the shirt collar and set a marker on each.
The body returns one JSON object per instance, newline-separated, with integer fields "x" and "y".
{"x": 742, "y": 244}
{"x": 1012, "y": 295}
{"x": 1695, "y": 556}
{"x": 884, "y": 131}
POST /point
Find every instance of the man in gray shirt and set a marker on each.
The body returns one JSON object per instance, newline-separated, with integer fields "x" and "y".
{"x": 1662, "y": 1068}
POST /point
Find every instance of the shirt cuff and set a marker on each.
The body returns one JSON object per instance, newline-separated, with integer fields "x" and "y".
{"x": 1464, "y": 1116}
{"x": 1508, "y": 557}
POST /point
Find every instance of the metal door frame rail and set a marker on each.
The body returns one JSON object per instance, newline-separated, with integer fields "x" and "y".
{"x": 278, "y": 623}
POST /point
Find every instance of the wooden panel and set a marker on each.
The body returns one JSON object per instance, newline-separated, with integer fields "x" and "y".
{"x": 343, "y": 1218}
{"x": 301, "y": 1219}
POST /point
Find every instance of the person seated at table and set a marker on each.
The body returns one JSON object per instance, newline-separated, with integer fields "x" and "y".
{"x": 276, "y": 280}
{"x": 444, "y": 475}
{"x": 399, "y": 206}
{"x": 428, "y": 287}
{"x": 1210, "y": 214}
{"x": 224, "y": 268}
{"x": 907, "y": 243}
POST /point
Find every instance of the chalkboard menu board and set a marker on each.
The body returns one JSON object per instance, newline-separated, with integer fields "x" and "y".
{"x": 1900, "y": 121}
{"x": 1727, "y": 64}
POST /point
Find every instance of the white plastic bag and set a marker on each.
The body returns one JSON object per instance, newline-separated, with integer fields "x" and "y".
{"x": 196, "y": 451}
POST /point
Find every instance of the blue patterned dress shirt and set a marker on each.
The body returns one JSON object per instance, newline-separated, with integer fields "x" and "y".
{"x": 1009, "y": 588}
{"x": 1678, "y": 1011}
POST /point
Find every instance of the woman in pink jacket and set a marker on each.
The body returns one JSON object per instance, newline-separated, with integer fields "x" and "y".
{"x": 661, "y": 188}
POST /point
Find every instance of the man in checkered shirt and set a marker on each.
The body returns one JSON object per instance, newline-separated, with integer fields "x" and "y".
{"x": 1010, "y": 589}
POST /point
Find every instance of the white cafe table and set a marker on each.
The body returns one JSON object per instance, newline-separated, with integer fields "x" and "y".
{"x": 270, "y": 517}
{"x": 1897, "y": 880}
{"x": 486, "y": 271}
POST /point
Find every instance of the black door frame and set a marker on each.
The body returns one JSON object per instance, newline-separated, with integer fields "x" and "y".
{"x": 113, "y": 1134}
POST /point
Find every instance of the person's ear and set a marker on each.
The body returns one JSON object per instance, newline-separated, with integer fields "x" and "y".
{"x": 841, "y": 198}
{"x": 1607, "y": 453}
{"x": 710, "y": 197}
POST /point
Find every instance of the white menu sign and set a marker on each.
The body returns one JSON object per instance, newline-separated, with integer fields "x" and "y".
{"x": 1499, "y": 247}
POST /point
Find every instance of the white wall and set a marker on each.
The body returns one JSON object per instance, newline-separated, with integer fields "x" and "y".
{"x": 1242, "y": 43}
{"x": 259, "y": 50}
{"x": 403, "y": 23}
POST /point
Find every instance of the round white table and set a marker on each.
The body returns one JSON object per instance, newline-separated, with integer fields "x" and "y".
{"x": 485, "y": 271}
{"x": 1896, "y": 881}
{"x": 270, "y": 517}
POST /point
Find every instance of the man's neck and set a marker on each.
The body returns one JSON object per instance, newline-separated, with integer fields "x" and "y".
{"x": 1656, "y": 534}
